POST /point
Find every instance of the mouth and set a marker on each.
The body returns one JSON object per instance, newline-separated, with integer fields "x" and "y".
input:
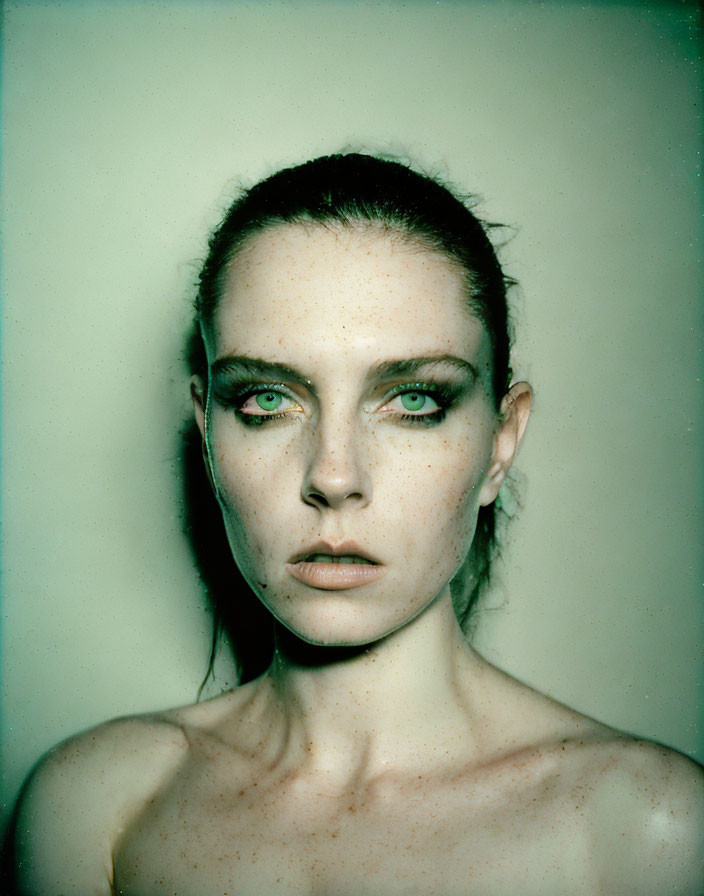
{"x": 335, "y": 567}
{"x": 342, "y": 552}
{"x": 338, "y": 558}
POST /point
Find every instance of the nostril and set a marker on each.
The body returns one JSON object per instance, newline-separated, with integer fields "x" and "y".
{"x": 316, "y": 498}
{"x": 319, "y": 499}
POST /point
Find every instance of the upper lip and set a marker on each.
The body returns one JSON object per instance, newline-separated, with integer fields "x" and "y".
{"x": 338, "y": 549}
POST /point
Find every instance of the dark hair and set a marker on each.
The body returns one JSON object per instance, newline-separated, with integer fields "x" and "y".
{"x": 353, "y": 189}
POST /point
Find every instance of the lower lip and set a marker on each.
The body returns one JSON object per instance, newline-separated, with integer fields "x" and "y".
{"x": 335, "y": 576}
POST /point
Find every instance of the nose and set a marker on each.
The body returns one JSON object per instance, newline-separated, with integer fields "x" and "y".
{"x": 336, "y": 474}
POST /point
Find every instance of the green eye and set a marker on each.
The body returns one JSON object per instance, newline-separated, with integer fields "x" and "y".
{"x": 413, "y": 401}
{"x": 269, "y": 401}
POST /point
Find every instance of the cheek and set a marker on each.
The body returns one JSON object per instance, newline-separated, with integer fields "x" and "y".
{"x": 252, "y": 491}
{"x": 432, "y": 495}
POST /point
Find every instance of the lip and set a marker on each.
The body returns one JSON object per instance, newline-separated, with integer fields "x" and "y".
{"x": 338, "y": 549}
{"x": 335, "y": 576}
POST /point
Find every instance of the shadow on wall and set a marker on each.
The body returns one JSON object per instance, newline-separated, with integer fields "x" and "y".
{"x": 239, "y": 618}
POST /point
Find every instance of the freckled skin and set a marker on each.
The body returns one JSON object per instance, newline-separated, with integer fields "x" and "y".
{"x": 389, "y": 758}
{"x": 321, "y": 290}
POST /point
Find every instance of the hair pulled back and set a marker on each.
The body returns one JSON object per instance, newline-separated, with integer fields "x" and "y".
{"x": 353, "y": 189}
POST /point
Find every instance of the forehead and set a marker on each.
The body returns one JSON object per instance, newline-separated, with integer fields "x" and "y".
{"x": 343, "y": 292}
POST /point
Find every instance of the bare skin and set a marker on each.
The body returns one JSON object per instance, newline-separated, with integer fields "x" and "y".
{"x": 516, "y": 795}
{"x": 380, "y": 754}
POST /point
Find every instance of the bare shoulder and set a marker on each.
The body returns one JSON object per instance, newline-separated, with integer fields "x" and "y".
{"x": 81, "y": 795}
{"x": 647, "y": 817}
{"x": 637, "y": 805}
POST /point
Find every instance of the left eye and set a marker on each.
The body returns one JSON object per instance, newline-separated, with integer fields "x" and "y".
{"x": 413, "y": 402}
{"x": 261, "y": 404}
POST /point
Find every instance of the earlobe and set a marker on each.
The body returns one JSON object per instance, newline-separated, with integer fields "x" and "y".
{"x": 515, "y": 411}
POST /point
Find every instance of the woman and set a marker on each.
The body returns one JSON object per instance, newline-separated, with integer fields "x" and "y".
{"x": 358, "y": 420}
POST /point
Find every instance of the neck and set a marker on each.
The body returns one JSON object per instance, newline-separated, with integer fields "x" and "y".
{"x": 394, "y": 703}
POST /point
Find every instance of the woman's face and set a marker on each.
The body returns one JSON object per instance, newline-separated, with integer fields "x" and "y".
{"x": 349, "y": 416}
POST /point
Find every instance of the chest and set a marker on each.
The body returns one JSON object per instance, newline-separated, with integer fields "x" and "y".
{"x": 206, "y": 839}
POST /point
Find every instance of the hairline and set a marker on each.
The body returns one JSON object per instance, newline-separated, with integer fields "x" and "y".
{"x": 408, "y": 238}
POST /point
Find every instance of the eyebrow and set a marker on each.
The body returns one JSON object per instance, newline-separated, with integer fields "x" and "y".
{"x": 390, "y": 370}
{"x": 244, "y": 367}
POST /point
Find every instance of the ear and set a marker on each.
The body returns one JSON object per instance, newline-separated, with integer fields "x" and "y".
{"x": 515, "y": 410}
{"x": 198, "y": 396}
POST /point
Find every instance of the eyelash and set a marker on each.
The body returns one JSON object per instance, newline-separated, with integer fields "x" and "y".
{"x": 240, "y": 397}
{"x": 444, "y": 395}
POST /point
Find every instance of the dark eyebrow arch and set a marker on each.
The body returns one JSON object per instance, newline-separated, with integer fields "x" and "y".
{"x": 242, "y": 367}
{"x": 407, "y": 367}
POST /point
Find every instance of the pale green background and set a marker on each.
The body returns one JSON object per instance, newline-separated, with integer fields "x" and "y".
{"x": 127, "y": 124}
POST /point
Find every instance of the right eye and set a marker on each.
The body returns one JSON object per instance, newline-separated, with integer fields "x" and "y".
{"x": 269, "y": 403}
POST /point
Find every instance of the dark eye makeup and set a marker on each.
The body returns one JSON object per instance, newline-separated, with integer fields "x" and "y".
{"x": 416, "y": 404}
{"x": 414, "y": 397}
{"x": 268, "y": 397}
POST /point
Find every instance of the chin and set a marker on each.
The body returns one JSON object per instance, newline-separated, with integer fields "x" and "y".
{"x": 338, "y": 625}
{"x": 329, "y": 635}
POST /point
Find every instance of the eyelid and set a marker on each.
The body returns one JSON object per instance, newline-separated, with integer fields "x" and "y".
{"x": 437, "y": 393}
{"x": 233, "y": 395}
{"x": 248, "y": 396}
{"x": 260, "y": 388}
{"x": 240, "y": 389}
{"x": 431, "y": 389}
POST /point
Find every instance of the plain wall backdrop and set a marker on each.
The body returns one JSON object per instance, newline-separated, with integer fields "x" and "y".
{"x": 126, "y": 127}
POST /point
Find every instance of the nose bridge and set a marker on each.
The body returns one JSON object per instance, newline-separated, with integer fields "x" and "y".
{"x": 337, "y": 467}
